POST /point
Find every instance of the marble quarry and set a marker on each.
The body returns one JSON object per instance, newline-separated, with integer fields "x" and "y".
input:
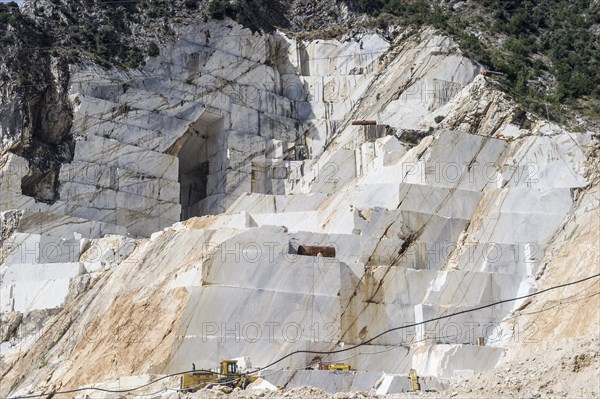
{"x": 175, "y": 236}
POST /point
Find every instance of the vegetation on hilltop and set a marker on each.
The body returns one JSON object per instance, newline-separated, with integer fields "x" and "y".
{"x": 548, "y": 49}
{"x": 122, "y": 33}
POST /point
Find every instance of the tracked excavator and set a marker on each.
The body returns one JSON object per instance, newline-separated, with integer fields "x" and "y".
{"x": 227, "y": 373}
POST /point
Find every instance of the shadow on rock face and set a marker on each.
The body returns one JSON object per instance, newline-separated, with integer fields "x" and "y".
{"x": 45, "y": 134}
{"x": 35, "y": 111}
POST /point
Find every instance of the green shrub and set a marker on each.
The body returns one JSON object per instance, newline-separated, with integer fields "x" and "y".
{"x": 7, "y": 39}
{"x": 219, "y": 9}
{"x": 439, "y": 118}
{"x": 157, "y": 12}
{"x": 191, "y": 4}
{"x": 540, "y": 36}
{"x": 135, "y": 57}
{"x": 153, "y": 49}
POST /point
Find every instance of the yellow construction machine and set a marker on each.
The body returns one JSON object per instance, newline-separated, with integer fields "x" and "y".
{"x": 339, "y": 366}
{"x": 227, "y": 374}
{"x": 333, "y": 366}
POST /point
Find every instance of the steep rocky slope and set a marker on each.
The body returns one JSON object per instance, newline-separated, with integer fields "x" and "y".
{"x": 174, "y": 229}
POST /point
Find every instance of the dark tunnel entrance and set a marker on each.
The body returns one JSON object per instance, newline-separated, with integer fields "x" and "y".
{"x": 201, "y": 152}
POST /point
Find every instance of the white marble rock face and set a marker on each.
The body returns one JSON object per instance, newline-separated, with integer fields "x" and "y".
{"x": 249, "y": 141}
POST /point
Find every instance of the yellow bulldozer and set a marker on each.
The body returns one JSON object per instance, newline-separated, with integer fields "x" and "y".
{"x": 339, "y": 367}
{"x": 227, "y": 374}
{"x": 334, "y": 366}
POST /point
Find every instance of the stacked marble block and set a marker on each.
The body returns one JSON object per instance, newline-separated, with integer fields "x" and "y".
{"x": 327, "y": 79}
{"x": 122, "y": 185}
{"x": 507, "y": 202}
{"x": 375, "y": 382}
{"x": 324, "y": 81}
{"x": 419, "y": 233}
{"x": 41, "y": 256}
{"x": 219, "y": 104}
{"x": 241, "y": 107}
{"x": 41, "y": 273}
{"x": 138, "y": 136}
{"x": 40, "y": 218}
{"x": 270, "y": 94}
{"x": 410, "y": 252}
{"x": 458, "y": 180}
{"x": 257, "y": 300}
{"x": 352, "y": 232}
{"x": 37, "y": 272}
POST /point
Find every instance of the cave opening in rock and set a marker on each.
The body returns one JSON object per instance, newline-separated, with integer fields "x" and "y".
{"x": 201, "y": 153}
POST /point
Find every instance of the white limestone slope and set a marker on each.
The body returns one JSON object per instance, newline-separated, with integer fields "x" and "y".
{"x": 257, "y": 129}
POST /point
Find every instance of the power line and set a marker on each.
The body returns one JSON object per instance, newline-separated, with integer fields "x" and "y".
{"x": 105, "y": 389}
{"x": 424, "y": 322}
{"x": 316, "y": 352}
{"x": 412, "y": 342}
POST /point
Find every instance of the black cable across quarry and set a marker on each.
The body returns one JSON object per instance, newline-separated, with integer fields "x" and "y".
{"x": 52, "y": 393}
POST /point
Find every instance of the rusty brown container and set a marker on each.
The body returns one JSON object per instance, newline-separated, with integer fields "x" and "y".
{"x": 364, "y": 123}
{"x": 308, "y": 250}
